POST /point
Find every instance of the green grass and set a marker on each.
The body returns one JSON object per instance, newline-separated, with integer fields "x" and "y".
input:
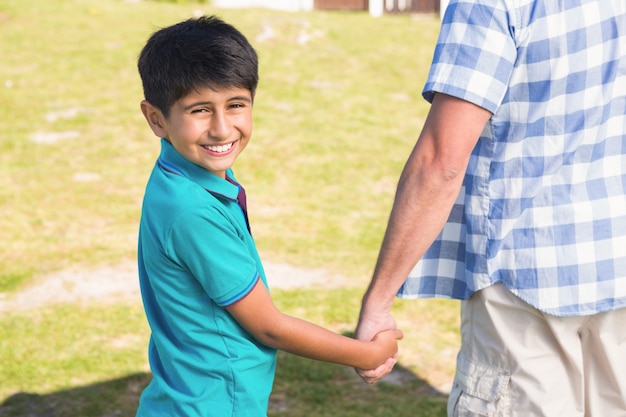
{"x": 68, "y": 361}
{"x": 335, "y": 119}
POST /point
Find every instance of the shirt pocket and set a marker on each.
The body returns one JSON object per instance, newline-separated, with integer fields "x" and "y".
{"x": 479, "y": 390}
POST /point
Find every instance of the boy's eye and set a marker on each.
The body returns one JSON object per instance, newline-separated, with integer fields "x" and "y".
{"x": 199, "y": 110}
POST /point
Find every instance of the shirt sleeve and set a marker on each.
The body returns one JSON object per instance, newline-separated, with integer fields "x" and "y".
{"x": 475, "y": 53}
{"x": 206, "y": 243}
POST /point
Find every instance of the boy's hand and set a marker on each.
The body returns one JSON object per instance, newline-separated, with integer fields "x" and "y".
{"x": 388, "y": 339}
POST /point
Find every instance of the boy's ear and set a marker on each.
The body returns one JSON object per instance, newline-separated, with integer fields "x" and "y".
{"x": 155, "y": 118}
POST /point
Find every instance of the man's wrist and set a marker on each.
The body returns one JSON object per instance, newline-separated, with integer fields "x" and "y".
{"x": 376, "y": 304}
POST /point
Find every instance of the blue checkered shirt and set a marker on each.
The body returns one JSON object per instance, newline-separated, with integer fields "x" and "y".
{"x": 543, "y": 205}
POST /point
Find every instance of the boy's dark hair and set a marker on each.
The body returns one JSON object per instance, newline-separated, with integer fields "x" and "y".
{"x": 202, "y": 52}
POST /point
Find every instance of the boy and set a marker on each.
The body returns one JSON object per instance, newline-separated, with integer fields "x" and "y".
{"x": 215, "y": 330}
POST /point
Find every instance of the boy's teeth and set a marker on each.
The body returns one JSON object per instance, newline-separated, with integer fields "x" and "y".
{"x": 219, "y": 148}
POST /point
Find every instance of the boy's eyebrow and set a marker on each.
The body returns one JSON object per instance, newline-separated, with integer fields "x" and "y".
{"x": 203, "y": 103}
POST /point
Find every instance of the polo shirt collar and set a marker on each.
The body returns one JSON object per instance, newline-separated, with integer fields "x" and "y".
{"x": 172, "y": 161}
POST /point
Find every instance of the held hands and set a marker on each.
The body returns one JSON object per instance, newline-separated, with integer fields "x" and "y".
{"x": 379, "y": 329}
{"x": 387, "y": 341}
{"x": 390, "y": 340}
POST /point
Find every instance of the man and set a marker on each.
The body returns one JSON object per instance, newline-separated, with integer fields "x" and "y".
{"x": 514, "y": 201}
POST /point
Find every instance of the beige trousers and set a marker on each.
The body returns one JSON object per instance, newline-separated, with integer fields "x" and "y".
{"x": 518, "y": 362}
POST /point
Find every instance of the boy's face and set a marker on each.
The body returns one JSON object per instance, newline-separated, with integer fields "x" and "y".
{"x": 208, "y": 127}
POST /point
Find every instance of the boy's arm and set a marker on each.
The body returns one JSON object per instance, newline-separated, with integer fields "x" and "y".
{"x": 259, "y": 316}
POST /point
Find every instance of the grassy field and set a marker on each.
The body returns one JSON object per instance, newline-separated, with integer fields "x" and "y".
{"x": 337, "y": 112}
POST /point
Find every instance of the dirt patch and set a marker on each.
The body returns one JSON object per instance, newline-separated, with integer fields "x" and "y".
{"x": 121, "y": 283}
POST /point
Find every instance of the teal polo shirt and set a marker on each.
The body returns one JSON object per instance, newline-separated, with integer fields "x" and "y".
{"x": 196, "y": 257}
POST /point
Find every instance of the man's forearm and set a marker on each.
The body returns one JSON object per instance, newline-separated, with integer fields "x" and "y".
{"x": 427, "y": 190}
{"x": 422, "y": 205}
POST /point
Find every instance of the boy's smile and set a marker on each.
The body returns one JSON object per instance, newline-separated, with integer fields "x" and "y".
{"x": 209, "y": 127}
{"x": 220, "y": 149}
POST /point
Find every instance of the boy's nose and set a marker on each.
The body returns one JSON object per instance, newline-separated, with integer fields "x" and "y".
{"x": 220, "y": 127}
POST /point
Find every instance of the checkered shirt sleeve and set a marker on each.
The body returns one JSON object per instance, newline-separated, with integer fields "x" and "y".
{"x": 543, "y": 207}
